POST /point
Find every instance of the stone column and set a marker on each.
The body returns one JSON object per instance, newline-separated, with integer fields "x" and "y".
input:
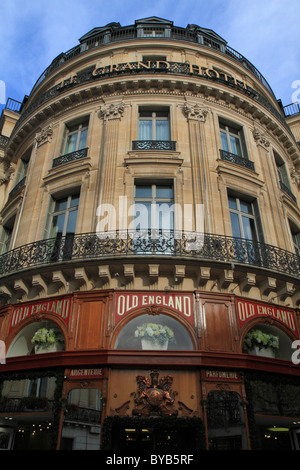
{"x": 111, "y": 115}
{"x": 196, "y": 116}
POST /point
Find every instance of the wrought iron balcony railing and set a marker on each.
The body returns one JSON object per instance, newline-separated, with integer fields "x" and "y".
{"x": 17, "y": 188}
{"x": 154, "y": 145}
{"x": 231, "y": 157}
{"x": 69, "y": 157}
{"x": 287, "y": 191}
{"x": 97, "y": 246}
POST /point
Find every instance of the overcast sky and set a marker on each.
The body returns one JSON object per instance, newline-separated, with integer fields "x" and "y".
{"x": 34, "y": 32}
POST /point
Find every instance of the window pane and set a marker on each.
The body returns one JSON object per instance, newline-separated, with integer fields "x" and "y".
{"x": 57, "y": 224}
{"x": 232, "y": 203}
{"x": 74, "y": 200}
{"x": 164, "y": 191}
{"x": 224, "y": 141}
{"x": 162, "y": 130}
{"x": 249, "y": 230}
{"x": 142, "y": 216}
{"x": 164, "y": 216}
{"x": 236, "y": 231}
{"x": 246, "y": 207}
{"x": 143, "y": 191}
{"x": 145, "y": 129}
{"x": 235, "y": 145}
{"x": 82, "y": 141}
{"x": 61, "y": 205}
{"x": 71, "y": 227}
{"x": 71, "y": 143}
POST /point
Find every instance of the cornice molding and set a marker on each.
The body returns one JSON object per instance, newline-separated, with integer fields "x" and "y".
{"x": 202, "y": 89}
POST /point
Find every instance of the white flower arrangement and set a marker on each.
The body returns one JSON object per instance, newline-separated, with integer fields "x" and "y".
{"x": 155, "y": 333}
{"x": 261, "y": 340}
{"x": 46, "y": 337}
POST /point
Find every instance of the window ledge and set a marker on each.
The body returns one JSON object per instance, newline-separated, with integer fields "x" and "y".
{"x": 150, "y": 156}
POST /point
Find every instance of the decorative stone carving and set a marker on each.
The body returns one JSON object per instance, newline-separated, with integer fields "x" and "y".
{"x": 194, "y": 111}
{"x": 7, "y": 169}
{"x": 295, "y": 177}
{"x": 44, "y": 136}
{"x": 112, "y": 111}
{"x": 260, "y": 138}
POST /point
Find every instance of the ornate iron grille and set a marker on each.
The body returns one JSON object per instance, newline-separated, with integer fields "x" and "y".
{"x": 154, "y": 145}
{"x": 96, "y": 246}
{"x": 231, "y": 157}
{"x": 69, "y": 157}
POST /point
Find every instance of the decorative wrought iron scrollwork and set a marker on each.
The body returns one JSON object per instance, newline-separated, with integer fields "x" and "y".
{"x": 231, "y": 157}
{"x": 153, "y": 145}
{"x": 95, "y": 246}
{"x": 69, "y": 157}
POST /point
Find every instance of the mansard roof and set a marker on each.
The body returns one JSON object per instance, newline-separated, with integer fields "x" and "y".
{"x": 148, "y": 22}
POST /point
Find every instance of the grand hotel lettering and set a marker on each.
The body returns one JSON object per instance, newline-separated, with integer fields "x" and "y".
{"x": 156, "y": 66}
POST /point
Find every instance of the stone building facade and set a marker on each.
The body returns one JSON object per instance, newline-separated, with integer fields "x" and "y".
{"x": 150, "y": 188}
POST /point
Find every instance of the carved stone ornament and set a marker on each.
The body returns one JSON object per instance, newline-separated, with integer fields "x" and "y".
{"x": 44, "y": 136}
{"x": 112, "y": 111}
{"x": 7, "y": 169}
{"x": 194, "y": 111}
{"x": 295, "y": 177}
{"x": 260, "y": 138}
{"x": 154, "y": 396}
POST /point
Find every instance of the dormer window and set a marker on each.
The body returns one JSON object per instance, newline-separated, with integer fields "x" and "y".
{"x": 153, "y": 33}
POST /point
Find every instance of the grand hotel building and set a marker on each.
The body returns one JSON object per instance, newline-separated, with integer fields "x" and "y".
{"x": 149, "y": 189}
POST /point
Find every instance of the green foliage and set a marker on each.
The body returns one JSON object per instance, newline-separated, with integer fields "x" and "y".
{"x": 46, "y": 337}
{"x": 261, "y": 340}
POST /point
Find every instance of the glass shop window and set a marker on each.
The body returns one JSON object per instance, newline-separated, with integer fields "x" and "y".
{"x": 159, "y": 332}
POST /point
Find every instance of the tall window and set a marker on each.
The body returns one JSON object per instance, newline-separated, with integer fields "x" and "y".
{"x": 246, "y": 228}
{"x": 153, "y": 204}
{"x": 283, "y": 176}
{"x": 64, "y": 216}
{"x": 242, "y": 218}
{"x": 154, "y": 124}
{"x": 295, "y": 231}
{"x": 75, "y": 137}
{"x": 232, "y": 139}
{"x": 7, "y": 230}
{"x": 23, "y": 166}
{"x": 63, "y": 224}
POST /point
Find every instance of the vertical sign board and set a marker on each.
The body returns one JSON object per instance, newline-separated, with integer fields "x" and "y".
{"x": 181, "y": 303}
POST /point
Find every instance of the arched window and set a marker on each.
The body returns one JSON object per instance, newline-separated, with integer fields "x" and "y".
{"x": 160, "y": 332}
{"x": 36, "y": 338}
{"x": 267, "y": 340}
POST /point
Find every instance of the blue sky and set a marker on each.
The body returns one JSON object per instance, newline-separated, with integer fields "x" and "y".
{"x": 34, "y": 32}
